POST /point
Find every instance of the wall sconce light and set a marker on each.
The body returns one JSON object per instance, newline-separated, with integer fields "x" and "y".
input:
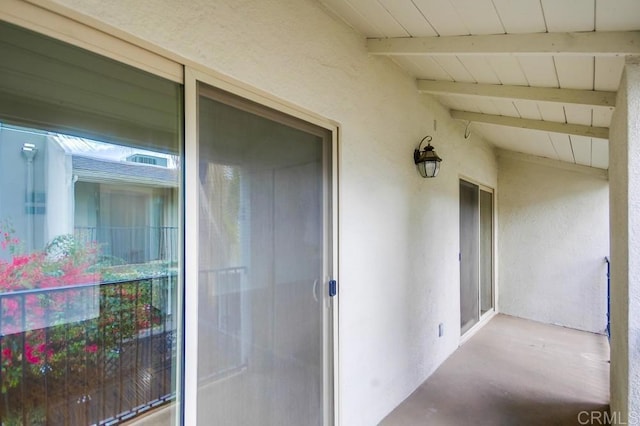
{"x": 427, "y": 161}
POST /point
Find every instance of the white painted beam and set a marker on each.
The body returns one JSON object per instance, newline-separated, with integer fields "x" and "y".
{"x": 544, "y": 94}
{"x": 523, "y": 123}
{"x": 600, "y": 43}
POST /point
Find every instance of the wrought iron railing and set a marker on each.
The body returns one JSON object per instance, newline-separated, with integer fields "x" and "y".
{"x": 87, "y": 354}
{"x": 138, "y": 244}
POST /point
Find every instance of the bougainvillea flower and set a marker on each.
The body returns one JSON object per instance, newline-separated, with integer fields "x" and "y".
{"x": 31, "y": 357}
{"x": 91, "y": 348}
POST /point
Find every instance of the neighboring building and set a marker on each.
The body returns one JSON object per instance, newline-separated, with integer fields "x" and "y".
{"x": 118, "y": 197}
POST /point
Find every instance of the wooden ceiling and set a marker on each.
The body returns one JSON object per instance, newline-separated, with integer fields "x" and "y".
{"x": 532, "y": 76}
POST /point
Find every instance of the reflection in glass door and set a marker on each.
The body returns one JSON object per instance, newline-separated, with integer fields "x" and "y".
{"x": 263, "y": 261}
{"x": 90, "y": 231}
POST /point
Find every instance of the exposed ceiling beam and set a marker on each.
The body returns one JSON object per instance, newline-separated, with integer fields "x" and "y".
{"x": 543, "y": 94}
{"x": 583, "y": 43}
{"x": 523, "y": 123}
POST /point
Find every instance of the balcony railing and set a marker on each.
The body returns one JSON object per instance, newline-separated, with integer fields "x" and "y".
{"x": 87, "y": 354}
{"x": 139, "y": 244}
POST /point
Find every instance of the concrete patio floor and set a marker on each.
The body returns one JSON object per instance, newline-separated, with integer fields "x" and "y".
{"x": 515, "y": 372}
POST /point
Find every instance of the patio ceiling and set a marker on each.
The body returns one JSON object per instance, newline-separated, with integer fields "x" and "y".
{"x": 532, "y": 76}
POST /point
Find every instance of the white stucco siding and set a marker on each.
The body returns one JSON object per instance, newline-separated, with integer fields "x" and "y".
{"x": 553, "y": 238}
{"x": 633, "y": 121}
{"x": 624, "y": 151}
{"x": 399, "y": 270}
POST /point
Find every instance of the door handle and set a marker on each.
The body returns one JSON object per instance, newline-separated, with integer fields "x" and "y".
{"x": 333, "y": 288}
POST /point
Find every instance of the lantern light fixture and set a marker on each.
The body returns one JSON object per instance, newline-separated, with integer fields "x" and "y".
{"x": 427, "y": 161}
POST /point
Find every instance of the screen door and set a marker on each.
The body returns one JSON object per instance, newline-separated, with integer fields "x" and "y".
{"x": 263, "y": 240}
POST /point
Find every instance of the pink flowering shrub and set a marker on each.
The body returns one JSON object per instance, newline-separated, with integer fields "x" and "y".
{"x": 56, "y": 317}
{"x": 30, "y": 318}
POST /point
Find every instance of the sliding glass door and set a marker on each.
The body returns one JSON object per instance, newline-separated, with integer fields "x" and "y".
{"x": 476, "y": 254}
{"x": 117, "y": 239}
{"x": 263, "y": 239}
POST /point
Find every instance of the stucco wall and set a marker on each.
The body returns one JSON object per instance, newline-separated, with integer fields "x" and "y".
{"x": 553, "y": 236}
{"x": 398, "y": 232}
{"x": 624, "y": 153}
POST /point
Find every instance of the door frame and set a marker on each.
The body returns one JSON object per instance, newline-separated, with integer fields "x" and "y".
{"x": 483, "y": 318}
{"x": 190, "y": 353}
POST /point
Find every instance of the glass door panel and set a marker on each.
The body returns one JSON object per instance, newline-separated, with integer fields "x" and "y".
{"x": 469, "y": 255}
{"x": 486, "y": 251}
{"x": 90, "y": 233}
{"x": 263, "y": 264}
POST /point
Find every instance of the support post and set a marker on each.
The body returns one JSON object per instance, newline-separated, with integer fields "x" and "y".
{"x": 624, "y": 196}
